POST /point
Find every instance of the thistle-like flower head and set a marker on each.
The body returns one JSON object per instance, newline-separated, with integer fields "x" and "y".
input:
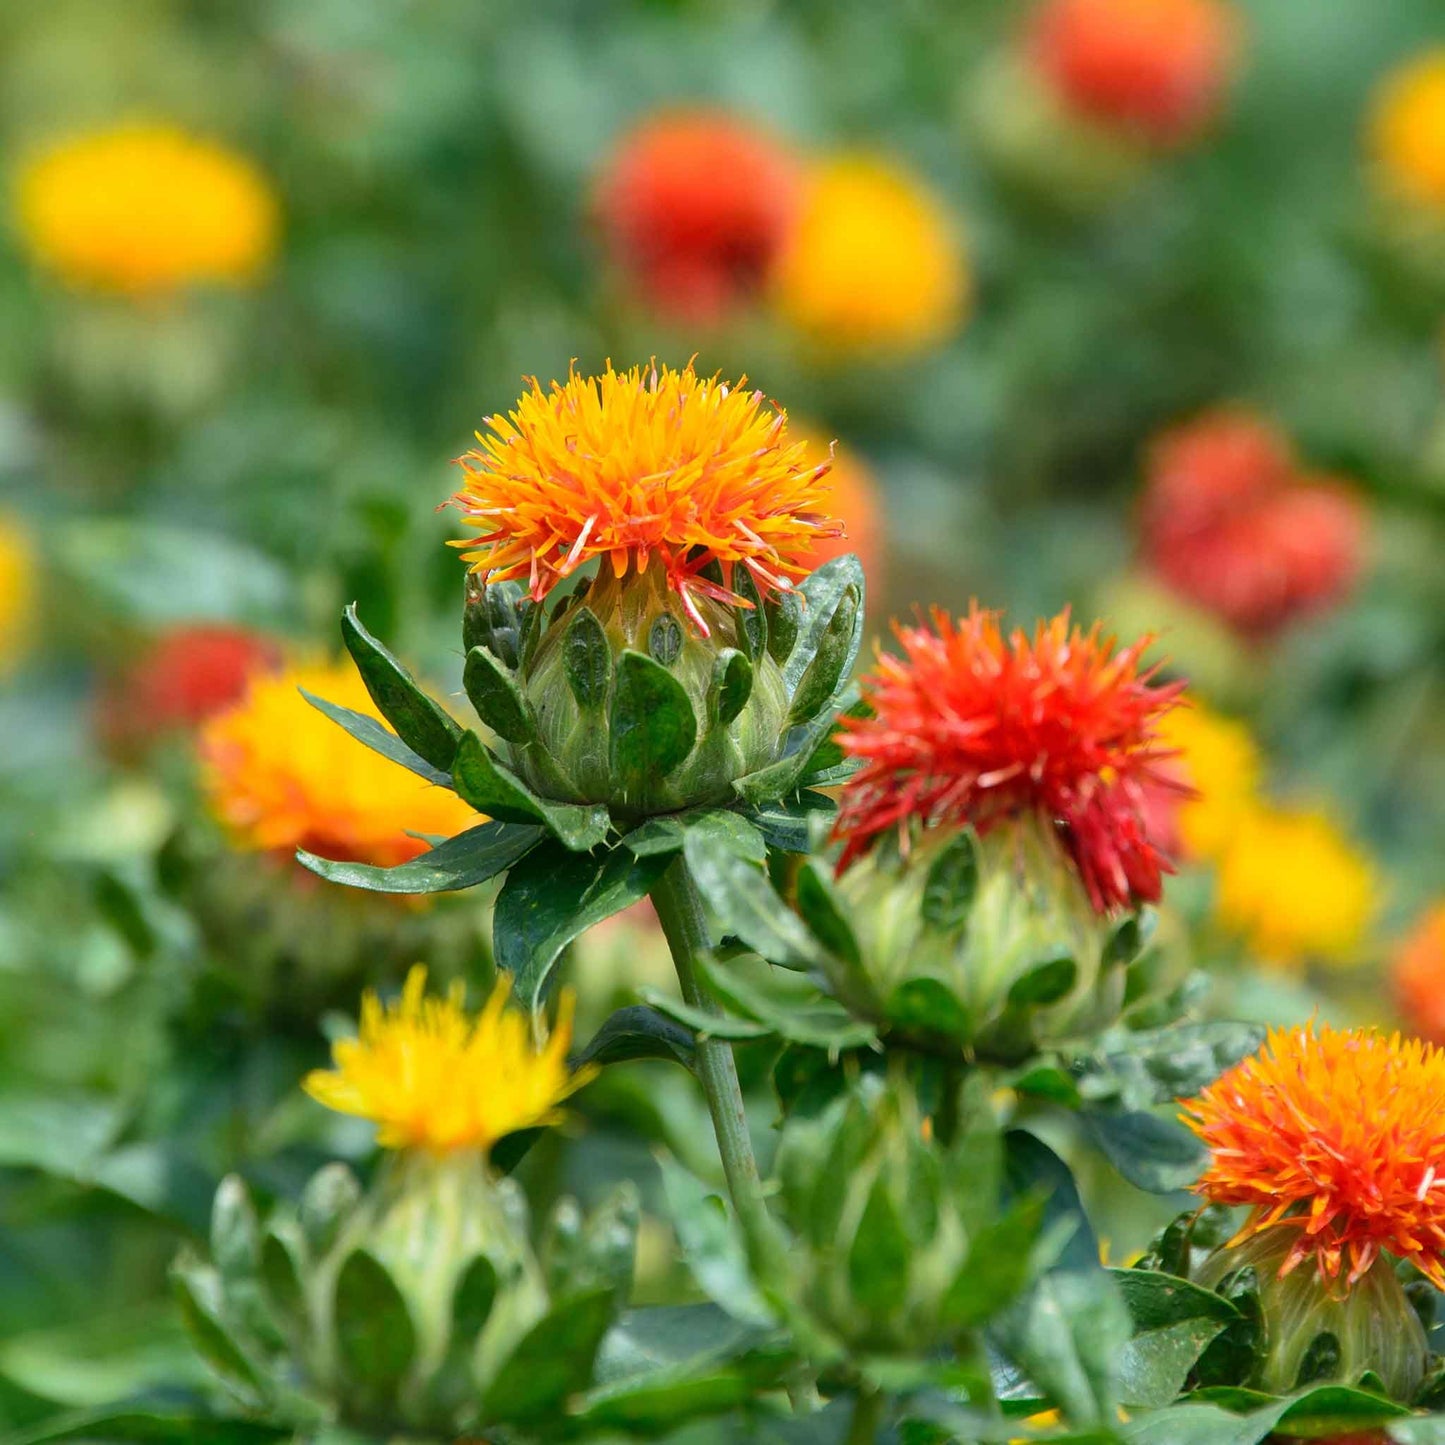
{"x": 432, "y": 1076}
{"x": 1338, "y": 1135}
{"x": 643, "y": 468}
{"x": 972, "y": 727}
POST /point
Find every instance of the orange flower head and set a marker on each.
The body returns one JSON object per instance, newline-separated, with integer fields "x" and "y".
{"x": 1338, "y": 1135}
{"x": 1156, "y": 69}
{"x": 281, "y": 776}
{"x": 1230, "y": 524}
{"x": 693, "y": 206}
{"x": 644, "y": 468}
{"x": 1419, "y": 971}
{"x": 187, "y": 675}
{"x": 970, "y": 727}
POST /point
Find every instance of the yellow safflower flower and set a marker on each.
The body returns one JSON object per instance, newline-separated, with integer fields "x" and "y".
{"x": 432, "y": 1076}
{"x": 1219, "y": 759}
{"x": 1406, "y": 133}
{"x": 281, "y": 776}
{"x": 17, "y": 592}
{"x": 1295, "y": 888}
{"x": 873, "y": 263}
{"x": 146, "y": 209}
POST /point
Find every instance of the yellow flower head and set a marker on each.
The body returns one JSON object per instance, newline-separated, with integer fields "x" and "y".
{"x": 1219, "y": 759}
{"x": 431, "y": 1076}
{"x": 1407, "y": 129}
{"x": 638, "y": 468}
{"x": 146, "y": 209}
{"x": 282, "y": 776}
{"x": 873, "y": 262}
{"x": 17, "y": 592}
{"x": 1295, "y": 888}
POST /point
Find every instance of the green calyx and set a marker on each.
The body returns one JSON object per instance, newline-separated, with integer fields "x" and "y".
{"x": 880, "y": 1214}
{"x": 409, "y": 1308}
{"x": 616, "y": 698}
{"x": 1304, "y": 1330}
{"x": 982, "y": 945}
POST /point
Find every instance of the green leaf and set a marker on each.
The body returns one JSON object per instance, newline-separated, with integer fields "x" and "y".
{"x": 1159, "y": 1155}
{"x": 235, "y": 1234}
{"x": 587, "y": 660}
{"x": 1045, "y": 983}
{"x": 837, "y": 645}
{"x": 997, "y": 1267}
{"x": 704, "y": 1023}
{"x": 495, "y": 790}
{"x": 420, "y": 723}
{"x": 198, "y": 1295}
{"x": 159, "y": 1425}
{"x": 927, "y": 1006}
{"x": 878, "y": 1261}
{"x": 375, "y": 1337}
{"x": 664, "y": 639}
{"x": 498, "y": 700}
{"x": 553, "y": 896}
{"x": 1174, "y": 1322}
{"x": 747, "y": 905}
{"x": 464, "y": 861}
{"x": 787, "y": 824}
{"x": 952, "y": 881}
{"x": 327, "y": 1201}
{"x": 752, "y": 618}
{"x": 732, "y": 686}
{"x": 790, "y": 1004}
{"x": 281, "y": 1272}
{"x": 638, "y": 1032}
{"x": 472, "y": 1301}
{"x": 365, "y": 729}
{"x": 1030, "y": 1166}
{"x": 1157, "y": 1066}
{"x": 784, "y": 614}
{"x": 61, "y": 1133}
{"x": 821, "y": 594}
{"x": 654, "y": 726}
{"x": 553, "y": 1359}
{"x": 819, "y": 904}
{"x": 723, "y": 826}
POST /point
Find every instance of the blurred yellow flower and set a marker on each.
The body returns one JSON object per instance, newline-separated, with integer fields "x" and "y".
{"x": 1407, "y": 129}
{"x": 1220, "y": 760}
{"x": 281, "y": 776}
{"x": 432, "y": 1076}
{"x": 873, "y": 263}
{"x": 17, "y": 592}
{"x": 145, "y": 209}
{"x": 1295, "y": 889}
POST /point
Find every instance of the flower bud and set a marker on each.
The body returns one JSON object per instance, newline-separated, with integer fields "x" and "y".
{"x": 1303, "y": 1329}
{"x": 396, "y": 1309}
{"x": 982, "y": 945}
{"x": 874, "y": 1206}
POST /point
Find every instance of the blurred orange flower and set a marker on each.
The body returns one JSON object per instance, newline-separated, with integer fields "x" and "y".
{"x": 1156, "y": 69}
{"x": 694, "y": 206}
{"x": 1419, "y": 975}
{"x": 856, "y": 502}
{"x": 281, "y": 776}
{"x": 874, "y": 262}
{"x": 146, "y": 209}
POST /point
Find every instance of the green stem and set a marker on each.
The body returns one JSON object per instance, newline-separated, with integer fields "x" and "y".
{"x": 867, "y": 1417}
{"x": 680, "y": 910}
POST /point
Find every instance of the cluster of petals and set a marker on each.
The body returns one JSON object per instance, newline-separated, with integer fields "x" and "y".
{"x": 1338, "y": 1135}
{"x": 1230, "y": 524}
{"x": 639, "y": 468}
{"x": 969, "y": 727}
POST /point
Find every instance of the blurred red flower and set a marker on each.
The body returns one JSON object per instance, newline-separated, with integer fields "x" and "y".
{"x": 694, "y": 206}
{"x": 1154, "y": 68}
{"x": 1231, "y": 525}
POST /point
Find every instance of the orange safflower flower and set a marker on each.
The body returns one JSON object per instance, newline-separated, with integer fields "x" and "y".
{"x": 1419, "y": 975}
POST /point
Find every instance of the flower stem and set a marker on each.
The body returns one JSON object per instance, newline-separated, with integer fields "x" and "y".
{"x": 680, "y": 911}
{"x": 867, "y": 1417}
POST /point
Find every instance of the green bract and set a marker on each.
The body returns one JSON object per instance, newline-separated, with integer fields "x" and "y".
{"x": 416, "y": 1307}
{"x": 986, "y": 945}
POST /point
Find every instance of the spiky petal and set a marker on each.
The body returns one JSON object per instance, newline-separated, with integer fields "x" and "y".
{"x": 643, "y": 468}
{"x": 968, "y": 727}
{"x": 1338, "y": 1135}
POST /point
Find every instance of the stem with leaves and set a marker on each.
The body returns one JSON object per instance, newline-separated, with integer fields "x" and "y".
{"x": 680, "y": 911}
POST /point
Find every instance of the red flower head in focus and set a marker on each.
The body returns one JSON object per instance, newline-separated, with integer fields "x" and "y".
{"x": 971, "y": 728}
{"x": 187, "y": 675}
{"x": 694, "y": 206}
{"x": 1154, "y": 68}
{"x": 1231, "y": 525}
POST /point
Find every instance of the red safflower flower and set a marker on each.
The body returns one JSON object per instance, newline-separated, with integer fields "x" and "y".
{"x": 1155, "y": 68}
{"x": 970, "y": 728}
{"x": 1231, "y": 525}
{"x": 694, "y": 206}
{"x": 1339, "y": 1136}
{"x": 187, "y": 675}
